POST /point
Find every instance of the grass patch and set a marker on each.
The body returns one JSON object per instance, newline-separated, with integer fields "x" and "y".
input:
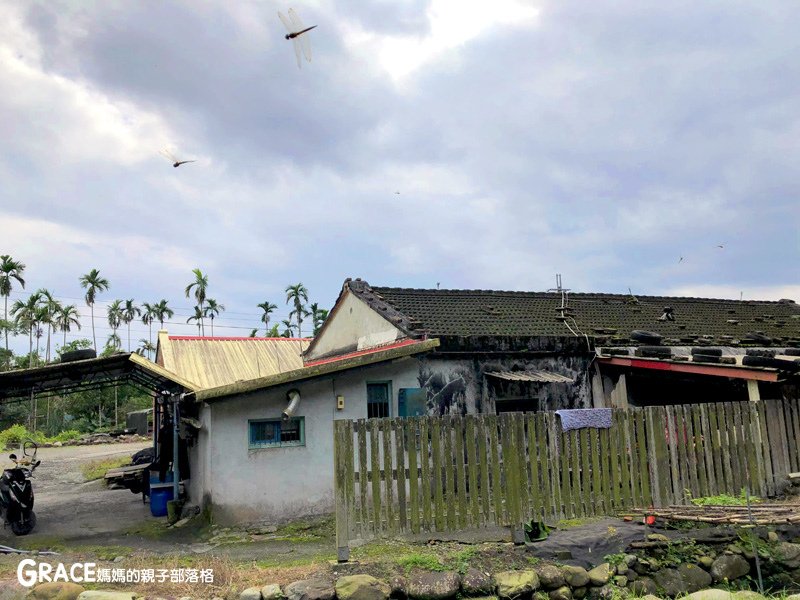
{"x": 97, "y": 469}
{"x": 725, "y": 500}
{"x": 103, "y": 552}
{"x": 43, "y": 543}
{"x": 313, "y": 530}
{"x": 419, "y": 560}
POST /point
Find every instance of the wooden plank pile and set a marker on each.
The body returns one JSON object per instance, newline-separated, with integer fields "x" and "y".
{"x": 762, "y": 514}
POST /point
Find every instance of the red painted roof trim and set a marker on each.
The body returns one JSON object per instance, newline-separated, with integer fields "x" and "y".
{"x": 228, "y": 339}
{"x": 733, "y": 372}
{"x": 323, "y": 361}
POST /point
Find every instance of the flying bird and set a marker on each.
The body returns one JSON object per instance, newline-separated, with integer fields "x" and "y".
{"x": 171, "y": 157}
{"x": 296, "y": 30}
{"x": 722, "y": 246}
{"x": 681, "y": 260}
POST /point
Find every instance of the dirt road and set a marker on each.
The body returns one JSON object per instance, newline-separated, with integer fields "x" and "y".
{"x": 70, "y": 509}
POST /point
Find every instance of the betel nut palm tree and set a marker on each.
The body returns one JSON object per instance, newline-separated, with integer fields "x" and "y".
{"x": 297, "y": 295}
{"x": 212, "y": 310}
{"x": 198, "y": 287}
{"x": 163, "y": 312}
{"x": 66, "y": 317}
{"x": 10, "y": 270}
{"x": 129, "y": 312}
{"x": 93, "y": 283}
{"x": 268, "y": 308}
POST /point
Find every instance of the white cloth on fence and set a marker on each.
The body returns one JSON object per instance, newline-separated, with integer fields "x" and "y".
{"x": 579, "y": 418}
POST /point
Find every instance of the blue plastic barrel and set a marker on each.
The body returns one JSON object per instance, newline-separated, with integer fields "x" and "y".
{"x": 160, "y": 494}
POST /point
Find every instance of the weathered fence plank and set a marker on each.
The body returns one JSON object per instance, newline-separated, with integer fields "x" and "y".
{"x": 412, "y": 448}
{"x": 461, "y": 481}
{"x": 425, "y": 474}
{"x": 436, "y": 475}
{"x": 400, "y": 470}
{"x": 472, "y": 471}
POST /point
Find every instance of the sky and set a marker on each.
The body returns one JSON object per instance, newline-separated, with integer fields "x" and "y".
{"x": 464, "y": 144}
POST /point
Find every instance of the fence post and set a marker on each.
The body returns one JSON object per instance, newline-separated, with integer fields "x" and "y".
{"x": 340, "y": 448}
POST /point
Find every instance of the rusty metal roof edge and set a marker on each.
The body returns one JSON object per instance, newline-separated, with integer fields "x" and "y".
{"x": 535, "y": 375}
{"x": 162, "y": 372}
{"x": 252, "y": 385}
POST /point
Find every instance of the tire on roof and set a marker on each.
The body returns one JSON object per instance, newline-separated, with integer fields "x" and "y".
{"x": 646, "y": 337}
{"x": 654, "y": 351}
{"x": 73, "y": 355}
{"x": 707, "y": 351}
{"x": 758, "y": 337}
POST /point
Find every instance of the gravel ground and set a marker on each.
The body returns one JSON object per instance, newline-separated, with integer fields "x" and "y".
{"x": 70, "y": 509}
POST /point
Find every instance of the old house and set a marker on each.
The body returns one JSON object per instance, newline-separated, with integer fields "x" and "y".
{"x": 264, "y": 448}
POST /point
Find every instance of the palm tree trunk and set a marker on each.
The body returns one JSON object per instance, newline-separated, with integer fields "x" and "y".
{"x": 30, "y": 350}
{"x": 65, "y": 337}
{"x": 47, "y": 354}
{"x": 129, "y": 336}
{"x": 5, "y": 318}
{"x": 94, "y": 337}
{"x": 212, "y": 326}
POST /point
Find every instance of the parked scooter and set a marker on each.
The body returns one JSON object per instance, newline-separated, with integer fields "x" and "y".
{"x": 16, "y": 490}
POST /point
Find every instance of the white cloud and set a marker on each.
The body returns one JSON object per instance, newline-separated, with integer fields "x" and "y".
{"x": 453, "y": 23}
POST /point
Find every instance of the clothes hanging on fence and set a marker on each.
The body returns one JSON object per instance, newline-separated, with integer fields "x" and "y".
{"x": 580, "y": 418}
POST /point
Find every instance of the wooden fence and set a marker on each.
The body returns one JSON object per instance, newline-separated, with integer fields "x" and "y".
{"x": 449, "y": 473}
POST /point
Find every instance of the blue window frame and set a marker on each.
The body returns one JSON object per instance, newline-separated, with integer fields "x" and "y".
{"x": 276, "y": 433}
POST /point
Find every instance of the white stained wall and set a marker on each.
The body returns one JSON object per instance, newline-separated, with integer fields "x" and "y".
{"x": 354, "y": 326}
{"x": 278, "y": 484}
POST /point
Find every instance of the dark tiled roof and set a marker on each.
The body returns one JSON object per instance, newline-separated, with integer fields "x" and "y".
{"x": 610, "y": 317}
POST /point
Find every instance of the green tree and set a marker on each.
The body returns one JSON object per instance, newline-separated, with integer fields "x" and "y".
{"x": 129, "y": 312}
{"x": 146, "y": 348}
{"x": 273, "y": 331}
{"x": 10, "y": 269}
{"x": 51, "y": 309}
{"x": 288, "y": 331}
{"x": 318, "y": 316}
{"x": 212, "y": 310}
{"x": 297, "y": 295}
{"x": 199, "y": 287}
{"x": 25, "y": 314}
{"x": 42, "y": 316}
{"x": 253, "y": 332}
{"x": 115, "y": 314}
{"x": 163, "y": 312}
{"x": 148, "y": 316}
{"x": 197, "y": 318}
{"x": 93, "y": 283}
{"x": 66, "y": 317}
{"x": 268, "y": 308}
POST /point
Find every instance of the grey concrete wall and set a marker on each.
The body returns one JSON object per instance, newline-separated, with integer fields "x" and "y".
{"x": 277, "y": 484}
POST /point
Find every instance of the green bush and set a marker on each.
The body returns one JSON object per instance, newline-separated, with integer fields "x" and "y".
{"x": 66, "y": 436}
{"x": 11, "y": 438}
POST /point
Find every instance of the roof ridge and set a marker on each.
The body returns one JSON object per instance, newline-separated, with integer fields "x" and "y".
{"x": 449, "y": 291}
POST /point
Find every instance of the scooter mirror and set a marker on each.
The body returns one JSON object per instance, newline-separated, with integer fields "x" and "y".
{"x": 12, "y": 457}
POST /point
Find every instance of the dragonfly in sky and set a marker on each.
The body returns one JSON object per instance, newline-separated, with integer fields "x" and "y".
{"x": 296, "y": 33}
{"x": 173, "y": 159}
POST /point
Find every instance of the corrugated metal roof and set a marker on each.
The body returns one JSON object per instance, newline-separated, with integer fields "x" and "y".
{"x": 322, "y": 369}
{"x": 532, "y": 375}
{"x": 210, "y": 362}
